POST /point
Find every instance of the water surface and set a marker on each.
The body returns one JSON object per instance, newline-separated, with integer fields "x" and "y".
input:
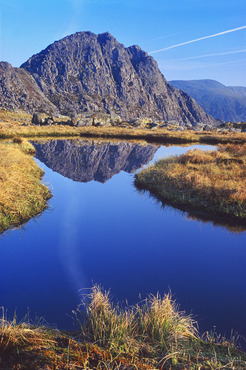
{"x": 100, "y": 229}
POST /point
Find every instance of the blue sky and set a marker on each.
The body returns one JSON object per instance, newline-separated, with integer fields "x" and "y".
{"x": 28, "y": 26}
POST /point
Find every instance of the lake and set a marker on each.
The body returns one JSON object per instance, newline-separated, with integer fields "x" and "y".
{"x": 100, "y": 229}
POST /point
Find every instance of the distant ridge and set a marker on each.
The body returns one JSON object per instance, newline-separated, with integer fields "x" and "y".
{"x": 221, "y": 102}
{"x": 89, "y": 72}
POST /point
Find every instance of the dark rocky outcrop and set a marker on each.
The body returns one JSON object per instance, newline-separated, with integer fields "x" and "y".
{"x": 18, "y": 90}
{"x": 92, "y": 72}
{"x": 227, "y": 103}
{"x": 86, "y": 160}
{"x": 85, "y": 72}
{"x": 39, "y": 119}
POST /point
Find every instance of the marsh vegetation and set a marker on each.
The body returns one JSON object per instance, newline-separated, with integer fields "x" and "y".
{"x": 210, "y": 182}
{"x": 22, "y": 195}
{"x": 153, "y": 334}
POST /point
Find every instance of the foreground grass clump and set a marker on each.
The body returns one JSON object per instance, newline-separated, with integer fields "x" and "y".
{"x": 212, "y": 182}
{"x": 22, "y": 195}
{"x": 149, "y": 331}
{"x": 150, "y": 335}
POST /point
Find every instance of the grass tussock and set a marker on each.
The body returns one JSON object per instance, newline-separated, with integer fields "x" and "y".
{"x": 22, "y": 195}
{"x": 150, "y": 335}
{"x": 153, "y": 326}
{"x": 14, "y": 334}
{"x": 212, "y": 182}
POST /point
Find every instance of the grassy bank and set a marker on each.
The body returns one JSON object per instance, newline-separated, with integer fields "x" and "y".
{"x": 211, "y": 182}
{"x": 151, "y": 335}
{"x": 22, "y": 196}
{"x": 157, "y": 135}
{"x": 14, "y": 124}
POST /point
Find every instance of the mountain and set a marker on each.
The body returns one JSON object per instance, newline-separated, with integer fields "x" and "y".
{"x": 87, "y": 160}
{"x": 88, "y": 72}
{"x": 222, "y": 102}
{"x": 238, "y": 89}
{"x": 18, "y": 89}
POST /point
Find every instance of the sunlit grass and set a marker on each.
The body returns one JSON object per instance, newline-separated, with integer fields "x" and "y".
{"x": 22, "y": 195}
{"x": 154, "y": 325}
{"x": 14, "y": 124}
{"x": 153, "y": 334}
{"x": 213, "y": 181}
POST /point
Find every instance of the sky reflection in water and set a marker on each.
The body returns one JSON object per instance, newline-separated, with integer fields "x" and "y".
{"x": 124, "y": 240}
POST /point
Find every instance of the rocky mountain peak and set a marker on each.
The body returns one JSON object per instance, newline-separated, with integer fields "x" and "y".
{"x": 88, "y": 72}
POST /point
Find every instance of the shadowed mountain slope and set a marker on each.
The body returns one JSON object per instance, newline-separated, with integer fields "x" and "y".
{"x": 221, "y": 102}
{"x": 18, "y": 89}
{"x": 88, "y": 72}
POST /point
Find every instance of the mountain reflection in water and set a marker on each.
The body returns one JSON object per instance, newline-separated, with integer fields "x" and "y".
{"x": 86, "y": 160}
{"x": 110, "y": 234}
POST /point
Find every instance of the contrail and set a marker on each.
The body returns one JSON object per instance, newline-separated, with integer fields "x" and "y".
{"x": 201, "y": 38}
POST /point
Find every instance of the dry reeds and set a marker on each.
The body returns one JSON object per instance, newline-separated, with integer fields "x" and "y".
{"x": 22, "y": 196}
{"x": 150, "y": 335}
{"x": 14, "y": 334}
{"x": 14, "y": 124}
{"x": 213, "y": 182}
{"x": 154, "y": 326}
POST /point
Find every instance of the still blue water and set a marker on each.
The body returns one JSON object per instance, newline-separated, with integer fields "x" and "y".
{"x": 109, "y": 233}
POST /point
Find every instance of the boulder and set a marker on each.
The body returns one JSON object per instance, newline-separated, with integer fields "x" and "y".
{"x": 41, "y": 119}
{"x": 100, "y": 119}
{"x": 140, "y": 122}
{"x": 48, "y": 121}
{"x": 38, "y": 119}
{"x": 84, "y": 122}
{"x": 74, "y": 121}
{"x": 115, "y": 118}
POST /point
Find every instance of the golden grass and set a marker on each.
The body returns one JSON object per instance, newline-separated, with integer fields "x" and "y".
{"x": 11, "y": 117}
{"x": 22, "y": 196}
{"x": 150, "y": 335}
{"x": 153, "y": 327}
{"x": 212, "y": 182}
{"x": 11, "y": 125}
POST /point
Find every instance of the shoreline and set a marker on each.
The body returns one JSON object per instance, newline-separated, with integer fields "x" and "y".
{"x": 22, "y": 194}
{"x": 153, "y": 334}
{"x": 18, "y": 124}
{"x": 204, "y": 182}
{"x": 157, "y": 135}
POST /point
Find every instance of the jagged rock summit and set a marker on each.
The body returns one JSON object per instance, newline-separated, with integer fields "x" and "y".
{"x": 89, "y": 72}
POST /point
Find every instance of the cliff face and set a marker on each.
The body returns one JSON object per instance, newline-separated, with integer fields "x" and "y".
{"x": 18, "y": 90}
{"x": 92, "y": 72}
{"x": 87, "y": 160}
{"x": 88, "y": 72}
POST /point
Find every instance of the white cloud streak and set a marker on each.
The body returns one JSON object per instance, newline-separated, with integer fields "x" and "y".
{"x": 201, "y": 38}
